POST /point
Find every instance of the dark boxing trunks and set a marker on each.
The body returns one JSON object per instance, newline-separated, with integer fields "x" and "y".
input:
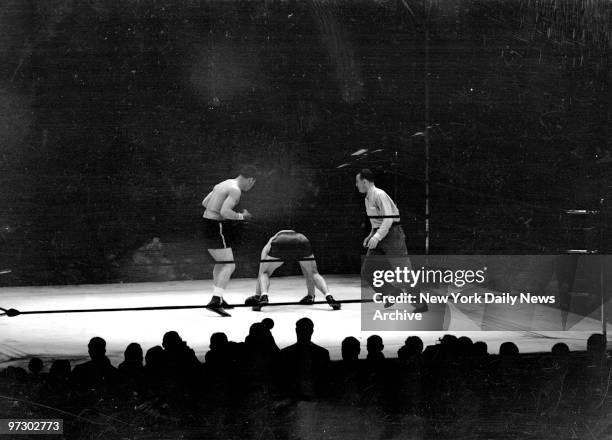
{"x": 290, "y": 245}
{"x": 220, "y": 234}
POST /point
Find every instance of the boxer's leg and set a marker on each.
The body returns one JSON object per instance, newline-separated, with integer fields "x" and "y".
{"x": 266, "y": 269}
{"x": 222, "y": 273}
{"x": 314, "y": 278}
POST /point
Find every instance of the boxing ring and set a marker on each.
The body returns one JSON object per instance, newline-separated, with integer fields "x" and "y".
{"x": 65, "y": 335}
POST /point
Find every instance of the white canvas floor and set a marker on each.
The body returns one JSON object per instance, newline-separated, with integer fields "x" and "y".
{"x": 65, "y": 335}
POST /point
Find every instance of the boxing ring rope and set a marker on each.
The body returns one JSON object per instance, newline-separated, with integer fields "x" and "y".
{"x": 12, "y": 312}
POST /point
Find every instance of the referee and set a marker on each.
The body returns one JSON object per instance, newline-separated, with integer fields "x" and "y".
{"x": 386, "y": 237}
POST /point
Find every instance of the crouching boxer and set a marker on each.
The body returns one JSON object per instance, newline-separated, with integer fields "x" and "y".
{"x": 287, "y": 245}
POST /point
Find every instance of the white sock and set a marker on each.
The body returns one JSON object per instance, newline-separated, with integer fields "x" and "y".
{"x": 218, "y": 291}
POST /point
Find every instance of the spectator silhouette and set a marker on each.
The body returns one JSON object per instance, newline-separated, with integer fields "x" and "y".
{"x": 259, "y": 353}
{"x": 156, "y": 372}
{"x": 480, "y": 363}
{"x": 560, "y": 352}
{"x": 460, "y": 382}
{"x": 348, "y": 374}
{"x": 557, "y": 363}
{"x": 36, "y": 377}
{"x": 132, "y": 360}
{"x": 217, "y": 355}
{"x": 59, "y": 373}
{"x": 180, "y": 357}
{"x": 506, "y": 372}
{"x": 551, "y": 379}
{"x": 596, "y": 348}
{"x": 375, "y": 347}
{"x": 97, "y": 374}
{"x": 480, "y": 355}
{"x": 35, "y": 366}
{"x": 439, "y": 354}
{"x": 57, "y": 384}
{"x": 155, "y": 360}
{"x": 449, "y": 346}
{"x": 132, "y": 369}
{"x": 268, "y": 325}
{"x": 304, "y": 365}
{"x": 464, "y": 346}
{"x": 508, "y": 350}
{"x": 350, "y": 349}
{"x": 410, "y": 356}
{"x": 480, "y": 349}
{"x": 223, "y": 357}
{"x": 183, "y": 367}
{"x": 412, "y": 349}
{"x": 438, "y": 361}
{"x": 595, "y": 370}
{"x": 260, "y": 338}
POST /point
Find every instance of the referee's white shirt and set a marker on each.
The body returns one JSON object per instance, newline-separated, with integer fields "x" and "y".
{"x": 378, "y": 203}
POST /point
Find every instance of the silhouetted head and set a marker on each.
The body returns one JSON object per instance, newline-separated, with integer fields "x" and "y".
{"x": 171, "y": 340}
{"x": 374, "y": 344}
{"x": 257, "y": 331}
{"x": 413, "y": 345}
{"x": 508, "y": 349}
{"x": 560, "y": 350}
{"x": 464, "y": 346}
{"x": 448, "y": 347}
{"x": 35, "y": 365}
{"x": 133, "y": 353}
{"x": 480, "y": 348}
{"x": 350, "y": 349}
{"x": 60, "y": 369}
{"x": 596, "y": 344}
{"x": 304, "y": 329}
{"x": 268, "y": 323}
{"x": 218, "y": 341}
{"x": 97, "y": 348}
{"x": 155, "y": 357}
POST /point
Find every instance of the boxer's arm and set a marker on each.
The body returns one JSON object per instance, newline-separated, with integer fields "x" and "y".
{"x": 227, "y": 210}
{"x": 206, "y": 199}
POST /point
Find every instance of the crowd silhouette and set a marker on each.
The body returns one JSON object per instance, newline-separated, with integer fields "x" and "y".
{"x": 254, "y": 389}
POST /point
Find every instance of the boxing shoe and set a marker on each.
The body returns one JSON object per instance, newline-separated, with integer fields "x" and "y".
{"x": 252, "y": 300}
{"x": 263, "y": 301}
{"x": 216, "y": 305}
{"x": 332, "y": 302}
{"x": 307, "y": 300}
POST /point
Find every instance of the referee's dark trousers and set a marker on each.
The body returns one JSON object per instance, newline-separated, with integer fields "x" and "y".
{"x": 391, "y": 252}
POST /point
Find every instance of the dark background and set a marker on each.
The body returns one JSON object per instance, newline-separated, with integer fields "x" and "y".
{"x": 117, "y": 117}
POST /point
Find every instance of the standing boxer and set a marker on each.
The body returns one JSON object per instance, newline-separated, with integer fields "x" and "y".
{"x": 221, "y": 230}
